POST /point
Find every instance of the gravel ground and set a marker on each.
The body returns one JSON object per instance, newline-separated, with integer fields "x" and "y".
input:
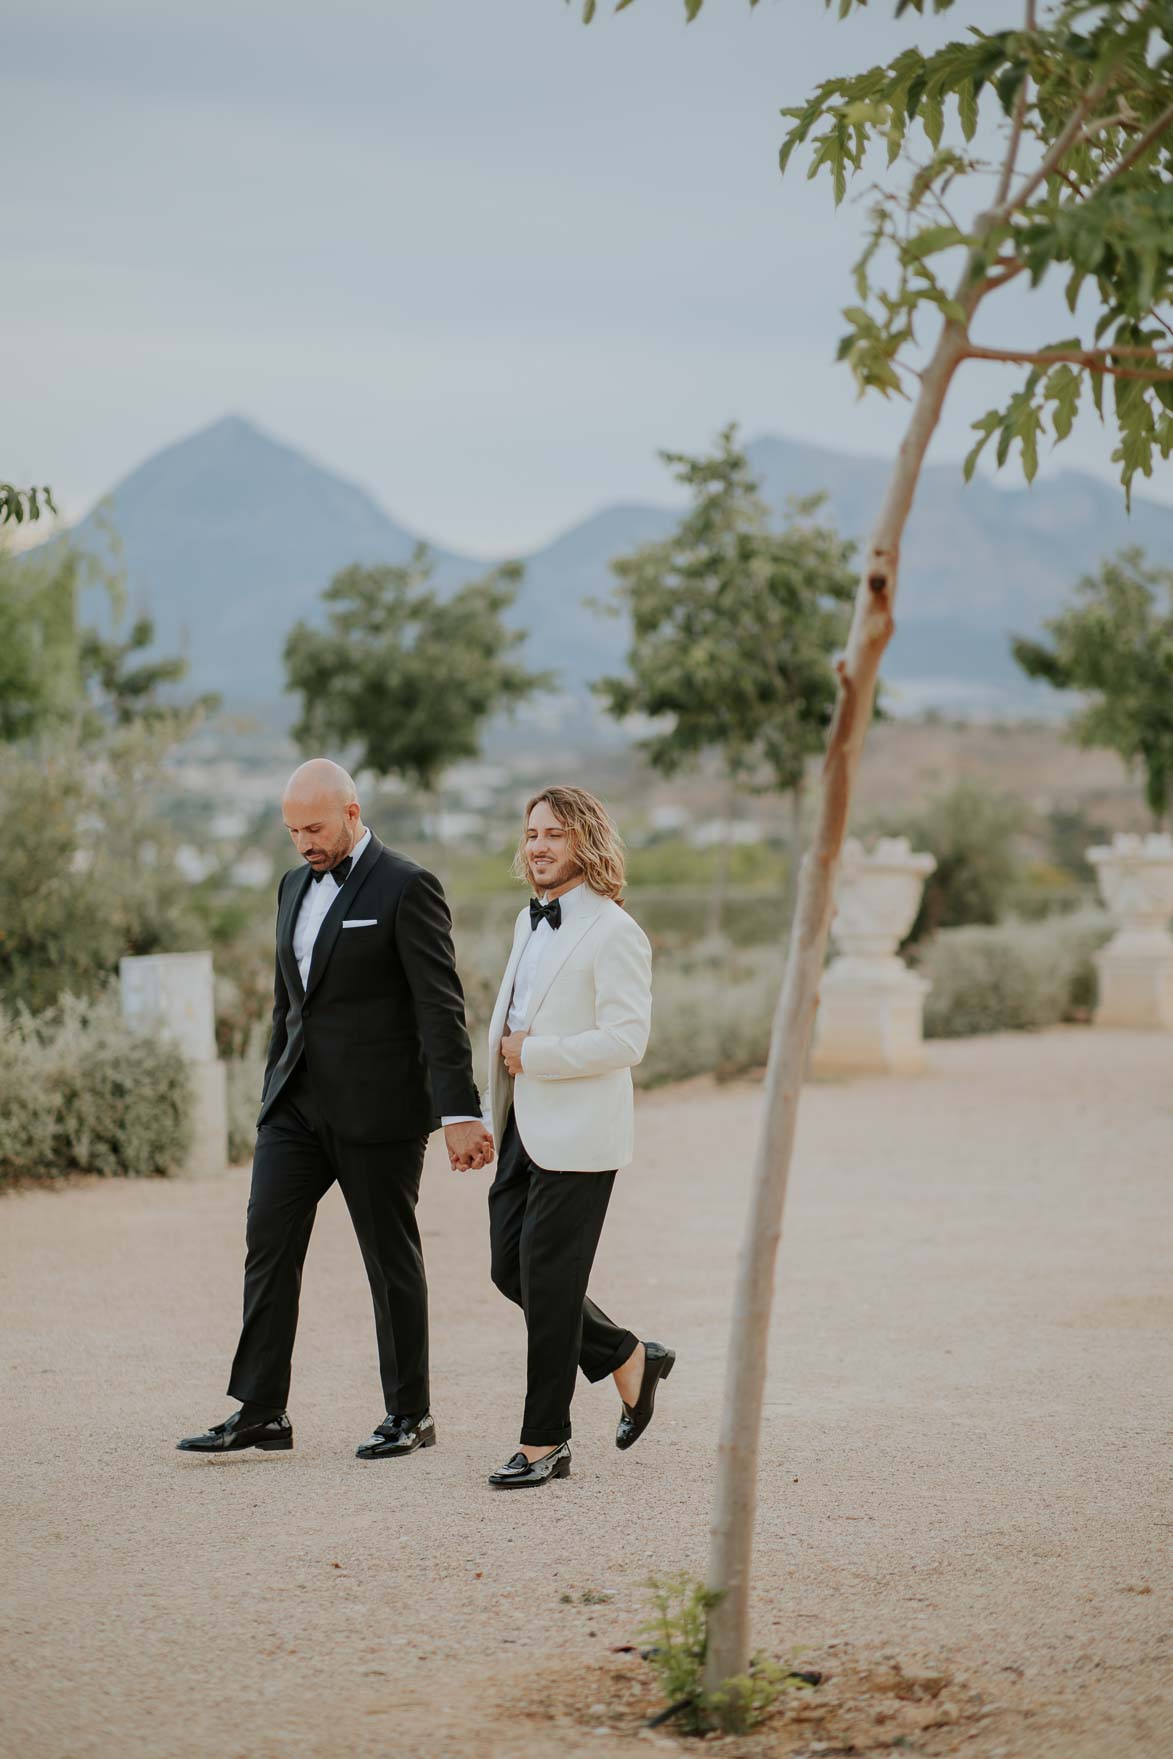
{"x": 965, "y": 1519}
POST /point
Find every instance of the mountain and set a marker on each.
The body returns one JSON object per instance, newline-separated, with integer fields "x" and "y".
{"x": 976, "y": 556}
{"x": 229, "y": 536}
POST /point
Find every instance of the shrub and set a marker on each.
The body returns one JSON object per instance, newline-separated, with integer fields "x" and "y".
{"x": 973, "y": 833}
{"x": 711, "y": 1013}
{"x": 1013, "y": 977}
{"x": 97, "y": 879}
{"x": 81, "y": 1092}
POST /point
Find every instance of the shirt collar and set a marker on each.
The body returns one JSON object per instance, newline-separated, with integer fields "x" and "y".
{"x": 571, "y": 900}
{"x": 354, "y": 854}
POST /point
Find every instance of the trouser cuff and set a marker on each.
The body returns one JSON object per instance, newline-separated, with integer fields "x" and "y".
{"x": 630, "y": 1342}
{"x": 545, "y": 1436}
{"x": 261, "y": 1400}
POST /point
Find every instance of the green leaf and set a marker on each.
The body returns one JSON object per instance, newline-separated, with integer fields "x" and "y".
{"x": 967, "y": 108}
{"x": 1063, "y": 387}
{"x": 931, "y": 240}
{"x": 1074, "y": 283}
{"x": 987, "y": 425}
{"x": 932, "y": 118}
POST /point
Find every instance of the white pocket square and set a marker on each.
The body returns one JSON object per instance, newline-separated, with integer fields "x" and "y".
{"x": 362, "y": 922}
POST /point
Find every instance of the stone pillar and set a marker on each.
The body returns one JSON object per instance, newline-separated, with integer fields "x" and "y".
{"x": 171, "y": 993}
{"x": 1135, "y": 969}
{"x": 871, "y": 1006}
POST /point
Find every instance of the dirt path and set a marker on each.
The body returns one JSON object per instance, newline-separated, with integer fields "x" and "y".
{"x": 966, "y": 1454}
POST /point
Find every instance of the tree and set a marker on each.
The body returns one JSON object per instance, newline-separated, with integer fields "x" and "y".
{"x": 1116, "y": 646}
{"x": 407, "y": 677}
{"x": 55, "y": 674}
{"x": 733, "y": 629}
{"x": 1083, "y": 93}
{"x": 98, "y": 878}
{"x": 123, "y": 686}
{"x": 40, "y": 659}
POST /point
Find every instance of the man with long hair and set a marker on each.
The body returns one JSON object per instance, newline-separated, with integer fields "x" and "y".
{"x": 571, "y": 1020}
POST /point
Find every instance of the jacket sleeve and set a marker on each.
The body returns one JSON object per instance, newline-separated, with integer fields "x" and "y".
{"x": 280, "y": 1011}
{"x": 423, "y": 940}
{"x": 623, "y": 1016}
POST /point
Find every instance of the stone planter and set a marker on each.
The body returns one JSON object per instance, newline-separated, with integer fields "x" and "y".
{"x": 871, "y": 1006}
{"x": 171, "y": 993}
{"x": 1135, "y": 876}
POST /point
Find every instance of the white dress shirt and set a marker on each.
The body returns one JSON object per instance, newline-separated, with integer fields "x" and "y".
{"x": 319, "y": 895}
{"x": 529, "y": 966}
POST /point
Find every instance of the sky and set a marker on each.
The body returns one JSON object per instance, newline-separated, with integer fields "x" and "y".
{"x": 478, "y": 258}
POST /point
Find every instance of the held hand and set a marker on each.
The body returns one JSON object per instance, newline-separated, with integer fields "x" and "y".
{"x": 511, "y": 1051}
{"x": 470, "y": 1147}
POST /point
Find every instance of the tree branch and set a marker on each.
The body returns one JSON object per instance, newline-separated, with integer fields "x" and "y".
{"x": 1010, "y": 270}
{"x": 1097, "y": 359}
{"x": 1149, "y": 138}
{"x": 1057, "y": 151}
{"x": 1016, "y": 126}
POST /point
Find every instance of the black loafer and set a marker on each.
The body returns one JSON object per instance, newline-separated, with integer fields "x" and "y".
{"x": 658, "y": 1365}
{"x": 519, "y": 1473}
{"x": 397, "y": 1436}
{"x": 273, "y": 1436}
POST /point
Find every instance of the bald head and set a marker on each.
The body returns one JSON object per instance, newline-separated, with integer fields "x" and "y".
{"x": 321, "y": 812}
{"x": 321, "y": 779}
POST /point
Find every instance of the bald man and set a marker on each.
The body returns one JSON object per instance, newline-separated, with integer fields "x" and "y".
{"x": 369, "y": 1043}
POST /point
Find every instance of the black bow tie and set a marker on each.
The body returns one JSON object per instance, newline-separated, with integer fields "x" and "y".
{"x": 339, "y": 873}
{"x": 552, "y": 913}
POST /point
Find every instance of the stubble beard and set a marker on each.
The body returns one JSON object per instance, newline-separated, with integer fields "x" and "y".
{"x": 553, "y": 877}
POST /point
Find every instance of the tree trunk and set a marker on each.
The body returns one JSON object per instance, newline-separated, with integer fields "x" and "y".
{"x": 793, "y": 856}
{"x": 737, "y": 1462}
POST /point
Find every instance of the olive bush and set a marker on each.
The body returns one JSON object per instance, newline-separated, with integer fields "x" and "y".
{"x": 81, "y": 1092}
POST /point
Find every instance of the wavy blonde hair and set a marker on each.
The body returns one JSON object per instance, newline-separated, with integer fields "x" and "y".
{"x": 595, "y": 844}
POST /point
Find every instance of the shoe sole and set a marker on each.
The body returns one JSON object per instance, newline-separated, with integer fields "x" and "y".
{"x": 429, "y": 1441}
{"x": 262, "y": 1447}
{"x": 560, "y": 1471}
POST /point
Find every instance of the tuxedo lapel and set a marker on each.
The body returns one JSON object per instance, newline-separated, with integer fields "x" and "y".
{"x": 333, "y": 919}
{"x": 521, "y": 934}
{"x": 565, "y": 940}
{"x": 291, "y": 902}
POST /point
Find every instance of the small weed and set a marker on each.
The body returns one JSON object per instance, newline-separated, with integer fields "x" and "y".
{"x": 588, "y": 1597}
{"x": 678, "y": 1637}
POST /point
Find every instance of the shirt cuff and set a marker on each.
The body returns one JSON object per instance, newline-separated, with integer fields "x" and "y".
{"x": 464, "y": 1118}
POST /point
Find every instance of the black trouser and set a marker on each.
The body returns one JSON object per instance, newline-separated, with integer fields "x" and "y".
{"x": 544, "y": 1229}
{"x": 298, "y": 1157}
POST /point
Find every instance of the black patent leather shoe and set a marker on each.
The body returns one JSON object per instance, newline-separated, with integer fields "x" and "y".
{"x": 519, "y": 1473}
{"x": 273, "y": 1436}
{"x": 658, "y": 1365}
{"x": 397, "y": 1436}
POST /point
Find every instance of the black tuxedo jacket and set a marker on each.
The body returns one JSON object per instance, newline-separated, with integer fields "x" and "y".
{"x": 381, "y": 1020}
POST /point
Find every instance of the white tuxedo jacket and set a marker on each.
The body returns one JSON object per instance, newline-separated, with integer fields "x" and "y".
{"x": 589, "y": 1020}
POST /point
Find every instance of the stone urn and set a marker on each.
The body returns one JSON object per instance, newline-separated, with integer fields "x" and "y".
{"x": 1135, "y": 876}
{"x": 171, "y": 994}
{"x": 871, "y": 1006}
